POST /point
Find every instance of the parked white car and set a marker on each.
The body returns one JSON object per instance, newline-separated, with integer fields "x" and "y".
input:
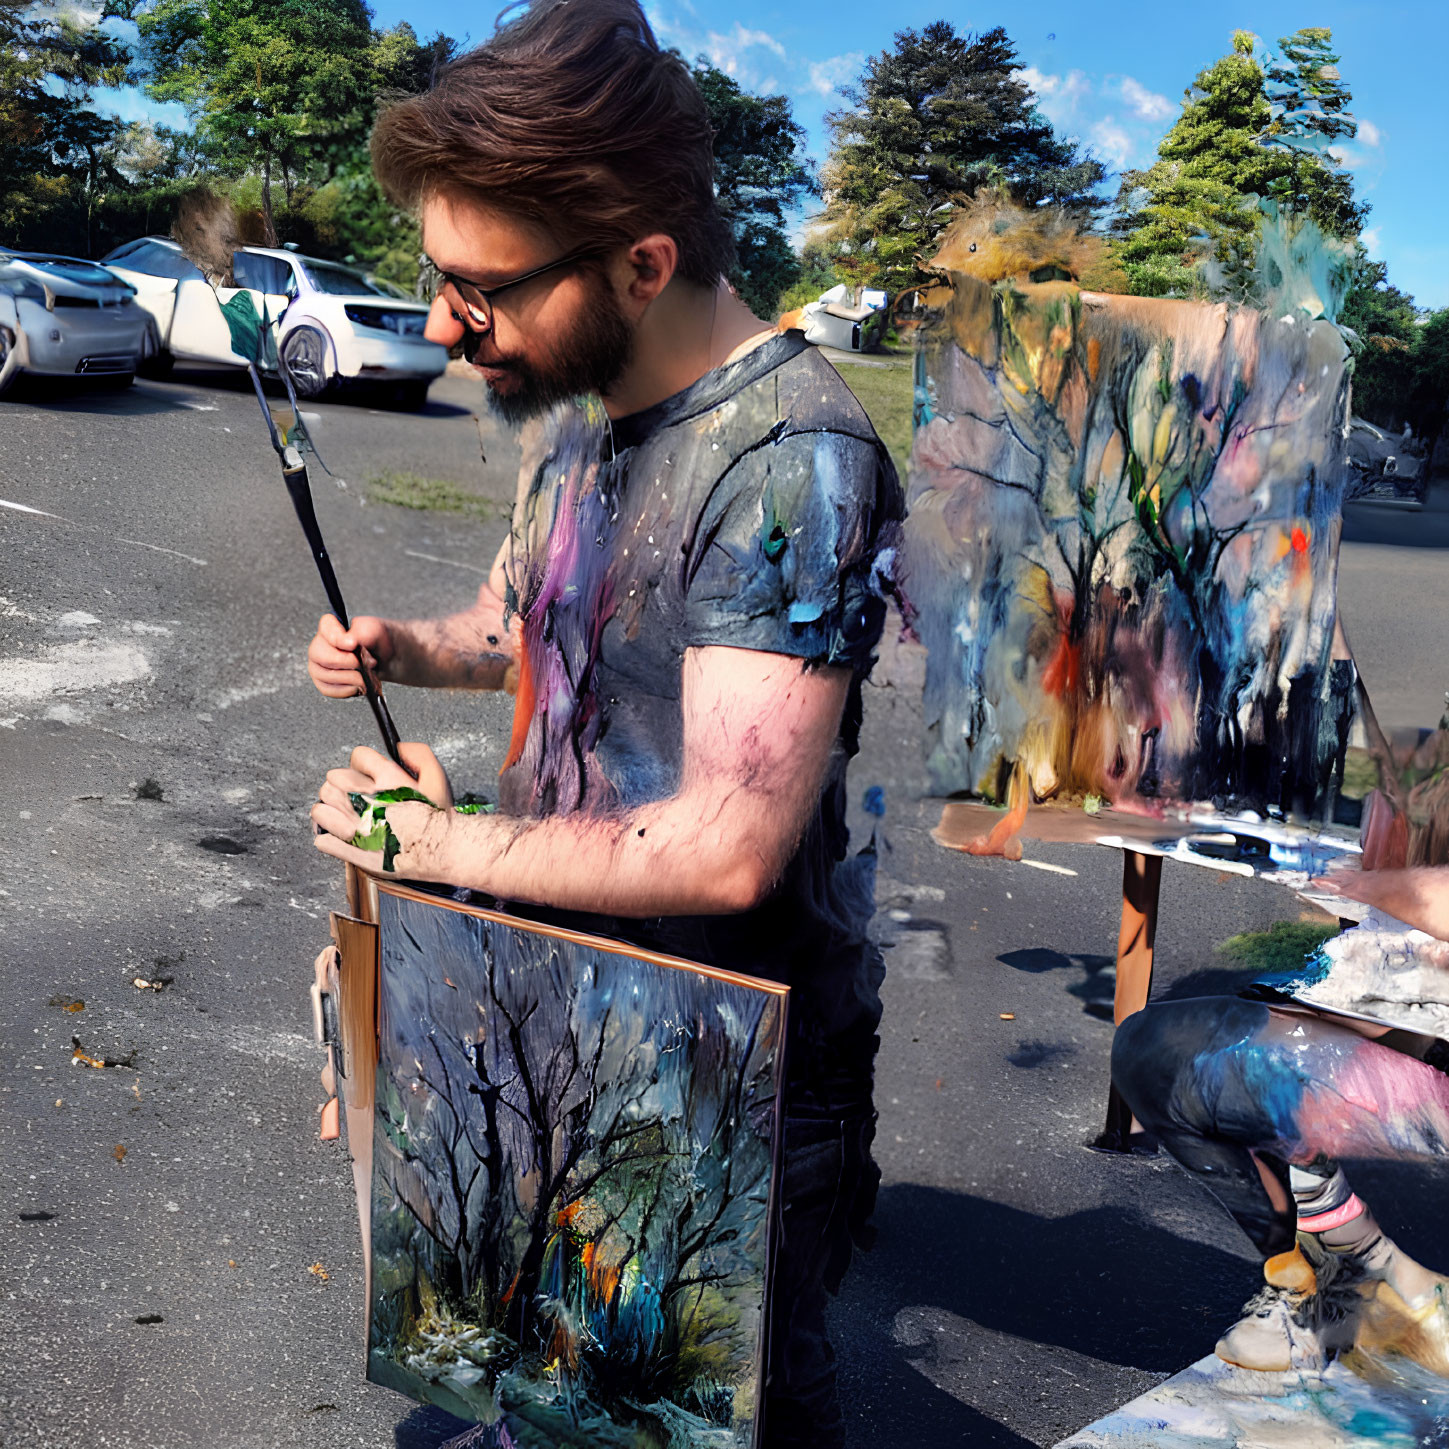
{"x": 63, "y": 317}
{"x": 850, "y": 319}
{"x": 328, "y": 323}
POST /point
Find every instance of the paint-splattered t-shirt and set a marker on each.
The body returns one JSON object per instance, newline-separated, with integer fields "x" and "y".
{"x": 757, "y": 509}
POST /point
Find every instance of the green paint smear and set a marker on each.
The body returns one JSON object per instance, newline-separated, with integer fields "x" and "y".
{"x": 376, "y": 834}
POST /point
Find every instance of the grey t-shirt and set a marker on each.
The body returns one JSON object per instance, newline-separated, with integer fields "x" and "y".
{"x": 755, "y": 509}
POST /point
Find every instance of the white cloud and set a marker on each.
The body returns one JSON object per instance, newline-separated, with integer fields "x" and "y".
{"x": 1058, "y": 96}
{"x": 741, "y": 53}
{"x": 1369, "y": 133}
{"x": 1145, "y": 103}
{"x": 1111, "y": 142}
{"x": 731, "y": 51}
{"x": 1037, "y": 81}
{"x": 826, "y": 77}
{"x": 1373, "y": 242}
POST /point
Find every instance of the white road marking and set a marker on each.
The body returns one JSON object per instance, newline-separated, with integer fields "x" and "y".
{"x": 93, "y": 528}
{"x": 1046, "y": 865}
{"x": 451, "y": 562}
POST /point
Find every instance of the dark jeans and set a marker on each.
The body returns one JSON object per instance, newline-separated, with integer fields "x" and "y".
{"x": 827, "y": 1195}
{"x": 1220, "y": 1080}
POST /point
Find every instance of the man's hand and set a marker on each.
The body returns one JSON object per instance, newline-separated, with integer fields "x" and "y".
{"x": 1418, "y": 897}
{"x": 420, "y": 828}
{"x": 332, "y": 654}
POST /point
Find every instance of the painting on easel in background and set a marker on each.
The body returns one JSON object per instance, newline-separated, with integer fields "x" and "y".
{"x": 1123, "y": 528}
{"x": 574, "y": 1163}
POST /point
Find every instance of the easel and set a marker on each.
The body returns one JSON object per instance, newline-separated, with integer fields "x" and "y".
{"x": 1144, "y": 842}
{"x": 1136, "y": 939}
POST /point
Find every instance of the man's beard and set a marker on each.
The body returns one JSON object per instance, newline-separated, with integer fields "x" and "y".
{"x": 589, "y": 358}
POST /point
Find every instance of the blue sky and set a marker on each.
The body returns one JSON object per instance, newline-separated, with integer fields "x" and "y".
{"x": 1111, "y": 75}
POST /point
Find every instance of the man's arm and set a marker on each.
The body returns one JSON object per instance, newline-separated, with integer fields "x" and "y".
{"x": 467, "y": 650}
{"x": 1418, "y": 897}
{"x": 759, "y": 730}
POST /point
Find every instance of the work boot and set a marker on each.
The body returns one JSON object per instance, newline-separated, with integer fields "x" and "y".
{"x": 1406, "y": 1310}
{"x": 1305, "y": 1315}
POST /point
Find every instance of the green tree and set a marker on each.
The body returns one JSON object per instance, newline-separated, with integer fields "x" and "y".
{"x": 817, "y": 275}
{"x": 348, "y": 216}
{"x": 1238, "y": 137}
{"x": 1428, "y": 399}
{"x": 928, "y": 123}
{"x": 276, "y": 87}
{"x": 1310, "y": 119}
{"x": 57, "y": 154}
{"x": 1385, "y": 322}
{"x": 761, "y": 175}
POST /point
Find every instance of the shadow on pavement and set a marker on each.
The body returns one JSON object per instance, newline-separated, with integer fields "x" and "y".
{"x": 382, "y": 396}
{"x": 82, "y": 395}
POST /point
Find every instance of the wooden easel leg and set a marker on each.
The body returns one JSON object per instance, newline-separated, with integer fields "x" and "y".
{"x": 1136, "y": 938}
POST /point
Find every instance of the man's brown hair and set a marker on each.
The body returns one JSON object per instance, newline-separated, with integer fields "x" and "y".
{"x": 573, "y": 117}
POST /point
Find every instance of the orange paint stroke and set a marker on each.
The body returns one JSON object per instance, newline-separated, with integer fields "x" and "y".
{"x": 1002, "y": 838}
{"x": 523, "y": 703}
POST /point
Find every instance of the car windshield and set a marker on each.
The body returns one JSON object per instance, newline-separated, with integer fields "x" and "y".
{"x": 391, "y": 289}
{"x": 72, "y": 269}
{"x": 154, "y": 260}
{"x": 338, "y": 281}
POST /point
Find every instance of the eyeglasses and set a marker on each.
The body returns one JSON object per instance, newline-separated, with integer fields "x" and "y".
{"x": 478, "y": 303}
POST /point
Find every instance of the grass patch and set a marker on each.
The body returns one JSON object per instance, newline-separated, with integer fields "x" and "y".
{"x": 1284, "y": 946}
{"x": 887, "y": 395}
{"x": 436, "y": 495}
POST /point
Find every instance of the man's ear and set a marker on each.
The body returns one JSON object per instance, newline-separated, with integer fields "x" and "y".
{"x": 649, "y": 266}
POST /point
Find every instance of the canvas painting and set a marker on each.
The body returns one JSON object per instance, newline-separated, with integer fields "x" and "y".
{"x": 1213, "y": 1405}
{"x": 1123, "y": 537}
{"x": 574, "y": 1162}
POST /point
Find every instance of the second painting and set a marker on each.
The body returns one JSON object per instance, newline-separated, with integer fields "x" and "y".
{"x": 575, "y": 1161}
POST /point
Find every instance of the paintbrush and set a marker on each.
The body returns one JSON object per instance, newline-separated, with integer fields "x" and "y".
{"x": 205, "y": 229}
{"x": 299, "y": 488}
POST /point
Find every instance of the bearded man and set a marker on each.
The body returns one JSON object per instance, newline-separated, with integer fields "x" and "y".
{"x": 688, "y": 601}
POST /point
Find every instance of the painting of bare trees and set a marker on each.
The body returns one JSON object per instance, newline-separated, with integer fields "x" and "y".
{"x": 574, "y": 1163}
{"x": 1122, "y": 545}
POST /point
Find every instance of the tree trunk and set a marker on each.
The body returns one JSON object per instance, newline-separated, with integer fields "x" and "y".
{"x": 269, "y": 231}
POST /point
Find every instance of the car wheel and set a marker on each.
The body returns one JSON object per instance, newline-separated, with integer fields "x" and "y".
{"x": 412, "y": 397}
{"x": 158, "y": 366}
{"x": 9, "y": 366}
{"x": 115, "y": 381}
{"x": 304, "y": 355}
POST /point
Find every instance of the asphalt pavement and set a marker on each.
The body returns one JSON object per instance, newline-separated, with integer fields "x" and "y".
{"x": 179, "y": 1261}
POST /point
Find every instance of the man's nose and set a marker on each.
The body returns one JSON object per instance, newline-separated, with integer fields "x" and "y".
{"x": 443, "y": 326}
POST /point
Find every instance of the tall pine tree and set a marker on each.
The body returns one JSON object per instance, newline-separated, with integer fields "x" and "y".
{"x": 929, "y": 122}
{"x": 1310, "y": 120}
{"x": 1242, "y": 133}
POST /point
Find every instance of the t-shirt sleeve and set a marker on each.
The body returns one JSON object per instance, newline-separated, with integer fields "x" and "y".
{"x": 793, "y": 552}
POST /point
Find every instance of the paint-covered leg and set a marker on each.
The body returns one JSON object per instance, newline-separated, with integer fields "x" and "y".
{"x": 1236, "y": 1092}
{"x": 1171, "y": 1061}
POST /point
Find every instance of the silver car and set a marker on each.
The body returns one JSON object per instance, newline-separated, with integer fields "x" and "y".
{"x": 63, "y": 317}
{"x": 329, "y": 324}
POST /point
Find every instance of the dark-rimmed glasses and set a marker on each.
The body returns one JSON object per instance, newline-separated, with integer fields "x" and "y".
{"x": 478, "y": 302}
